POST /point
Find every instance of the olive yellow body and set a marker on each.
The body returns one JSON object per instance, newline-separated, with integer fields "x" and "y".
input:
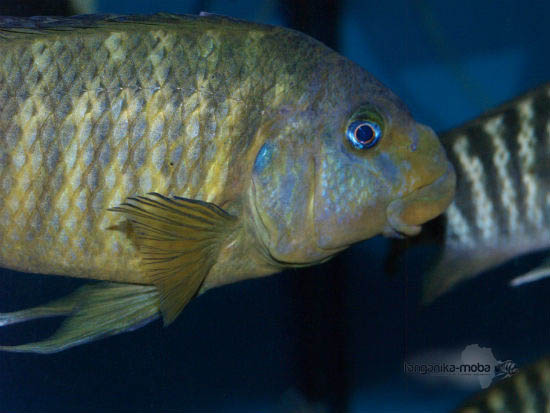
{"x": 91, "y": 116}
{"x": 184, "y": 152}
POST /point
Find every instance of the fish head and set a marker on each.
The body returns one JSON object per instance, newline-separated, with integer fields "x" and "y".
{"x": 350, "y": 165}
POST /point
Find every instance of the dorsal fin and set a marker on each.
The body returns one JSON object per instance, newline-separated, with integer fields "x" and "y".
{"x": 18, "y": 27}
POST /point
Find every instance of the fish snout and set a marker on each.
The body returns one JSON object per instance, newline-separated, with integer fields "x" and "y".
{"x": 428, "y": 158}
{"x": 433, "y": 190}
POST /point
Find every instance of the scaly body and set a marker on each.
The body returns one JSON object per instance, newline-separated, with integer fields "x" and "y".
{"x": 502, "y": 204}
{"x": 170, "y": 154}
{"x": 90, "y": 118}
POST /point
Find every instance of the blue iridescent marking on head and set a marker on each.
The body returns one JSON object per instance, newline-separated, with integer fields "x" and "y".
{"x": 263, "y": 158}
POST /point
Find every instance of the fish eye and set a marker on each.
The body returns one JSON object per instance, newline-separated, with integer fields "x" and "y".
{"x": 364, "y": 134}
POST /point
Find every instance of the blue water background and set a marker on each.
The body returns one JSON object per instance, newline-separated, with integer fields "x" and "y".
{"x": 231, "y": 350}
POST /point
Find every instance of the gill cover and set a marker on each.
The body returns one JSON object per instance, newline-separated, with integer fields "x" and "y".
{"x": 282, "y": 195}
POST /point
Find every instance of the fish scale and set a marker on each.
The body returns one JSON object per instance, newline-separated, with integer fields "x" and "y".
{"x": 522, "y": 128}
{"x": 180, "y": 153}
{"x": 501, "y": 208}
{"x": 86, "y": 131}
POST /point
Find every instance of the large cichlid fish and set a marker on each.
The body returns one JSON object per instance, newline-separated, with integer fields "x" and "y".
{"x": 501, "y": 209}
{"x": 527, "y": 391}
{"x": 170, "y": 154}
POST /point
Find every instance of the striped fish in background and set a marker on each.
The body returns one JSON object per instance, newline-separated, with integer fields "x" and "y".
{"x": 502, "y": 205}
{"x": 527, "y": 391}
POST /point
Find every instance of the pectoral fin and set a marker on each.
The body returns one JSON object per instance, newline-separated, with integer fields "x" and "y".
{"x": 179, "y": 240}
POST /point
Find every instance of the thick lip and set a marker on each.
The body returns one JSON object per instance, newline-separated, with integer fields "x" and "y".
{"x": 406, "y": 215}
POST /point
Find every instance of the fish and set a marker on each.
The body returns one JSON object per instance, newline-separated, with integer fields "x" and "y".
{"x": 501, "y": 208}
{"x": 165, "y": 155}
{"x": 527, "y": 390}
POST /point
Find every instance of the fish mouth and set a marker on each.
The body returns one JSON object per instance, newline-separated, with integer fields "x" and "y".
{"x": 406, "y": 215}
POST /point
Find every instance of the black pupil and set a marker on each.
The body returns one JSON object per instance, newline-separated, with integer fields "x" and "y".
{"x": 364, "y": 133}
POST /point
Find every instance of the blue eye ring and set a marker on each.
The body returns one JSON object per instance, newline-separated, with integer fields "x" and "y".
{"x": 364, "y": 134}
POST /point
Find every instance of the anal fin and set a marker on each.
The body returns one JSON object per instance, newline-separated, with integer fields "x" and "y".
{"x": 61, "y": 307}
{"x": 94, "y": 311}
{"x": 179, "y": 240}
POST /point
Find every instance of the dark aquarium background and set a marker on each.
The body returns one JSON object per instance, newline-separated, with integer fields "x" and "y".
{"x": 332, "y": 338}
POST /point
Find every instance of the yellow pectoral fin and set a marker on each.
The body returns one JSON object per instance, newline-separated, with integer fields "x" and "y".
{"x": 179, "y": 240}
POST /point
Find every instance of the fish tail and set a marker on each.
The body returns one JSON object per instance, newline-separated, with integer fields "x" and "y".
{"x": 94, "y": 311}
